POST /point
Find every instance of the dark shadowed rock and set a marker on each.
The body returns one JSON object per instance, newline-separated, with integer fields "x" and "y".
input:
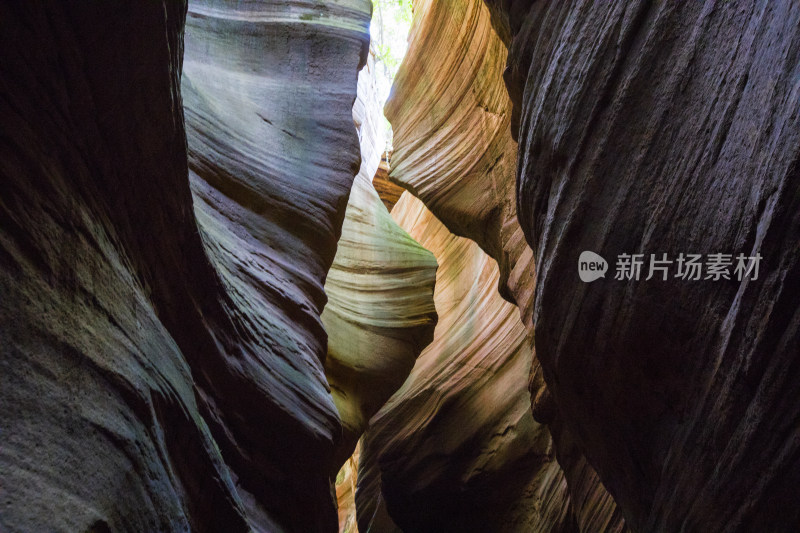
{"x": 162, "y": 373}
{"x": 672, "y": 128}
{"x": 101, "y": 427}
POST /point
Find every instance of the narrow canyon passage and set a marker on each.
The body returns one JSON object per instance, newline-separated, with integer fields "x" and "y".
{"x": 234, "y": 296}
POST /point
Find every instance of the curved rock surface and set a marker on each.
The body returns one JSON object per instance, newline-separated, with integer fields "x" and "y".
{"x": 161, "y": 372}
{"x": 457, "y": 449}
{"x": 667, "y": 128}
{"x": 346, "y": 481}
{"x": 450, "y": 113}
{"x": 388, "y": 191}
{"x": 453, "y": 148}
{"x": 272, "y": 154}
{"x": 100, "y": 425}
{"x": 162, "y": 355}
{"x": 380, "y": 312}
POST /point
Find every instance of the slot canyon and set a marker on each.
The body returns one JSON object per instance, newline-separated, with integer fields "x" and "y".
{"x": 262, "y": 268}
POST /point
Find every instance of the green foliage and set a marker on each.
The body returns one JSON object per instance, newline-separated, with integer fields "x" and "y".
{"x": 403, "y": 5}
{"x": 391, "y": 22}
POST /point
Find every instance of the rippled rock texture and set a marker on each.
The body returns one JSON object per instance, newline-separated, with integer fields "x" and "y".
{"x": 380, "y": 312}
{"x": 667, "y": 128}
{"x": 388, "y": 191}
{"x": 162, "y": 366}
{"x": 346, "y": 481}
{"x": 457, "y": 449}
{"x": 272, "y": 154}
{"x": 452, "y": 114}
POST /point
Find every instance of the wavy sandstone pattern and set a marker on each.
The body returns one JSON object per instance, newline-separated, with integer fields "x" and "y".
{"x": 667, "y": 128}
{"x": 380, "y": 312}
{"x": 346, "y": 481}
{"x": 457, "y": 448}
{"x": 453, "y": 148}
{"x": 388, "y": 191}
{"x": 270, "y": 185}
{"x": 450, "y": 114}
{"x": 162, "y": 354}
{"x": 161, "y": 372}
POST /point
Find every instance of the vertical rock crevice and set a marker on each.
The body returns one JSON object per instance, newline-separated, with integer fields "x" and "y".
{"x": 380, "y": 312}
{"x": 456, "y": 448}
{"x": 167, "y": 225}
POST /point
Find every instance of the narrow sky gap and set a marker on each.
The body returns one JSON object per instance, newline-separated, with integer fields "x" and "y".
{"x": 391, "y": 22}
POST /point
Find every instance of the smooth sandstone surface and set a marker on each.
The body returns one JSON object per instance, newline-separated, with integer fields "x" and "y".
{"x": 346, "y": 481}
{"x": 380, "y": 312}
{"x": 456, "y": 448}
{"x": 269, "y": 91}
{"x": 388, "y": 191}
{"x": 164, "y": 365}
{"x": 667, "y": 128}
{"x": 162, "y": 348}
{"x": 450, "y": 113}
{"x": 454, "y": 149}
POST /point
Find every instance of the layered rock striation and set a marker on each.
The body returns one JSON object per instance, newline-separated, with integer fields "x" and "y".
{"x": 388, "y": 191}
{"x": 380, "y": 312}
{"x": 667, "y": 128}
{"x": 456, "y": 448}
{"x": 454, "y": 149}
{"x": 162, "y": 355}
{"x": 165, "y": 243}
{"x": 272, "y": 154}
{"x": 450, "y": 113}
{"x": 346, "y": 481}
{"x": 101, "y": 427}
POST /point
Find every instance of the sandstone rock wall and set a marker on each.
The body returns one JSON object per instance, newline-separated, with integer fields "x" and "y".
{"x": 653, "y": 128}
{"x": 380, "y": 312}
{"x": 346, "y": 481}
{"x": 456, "y": 448}
{"x": 450, "y": 114}
{"x": 388, "y": 191}
{"x": 269, "y": 90}
{"x": 163, "y": 361}
{"x": 454, "y": 149}
{"x": 101, "y": 427}
{"x": 162, "y": 365}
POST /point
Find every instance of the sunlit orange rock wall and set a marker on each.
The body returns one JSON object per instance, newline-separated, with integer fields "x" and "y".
{"x": 346, "y": 481}
{"x": 457, "y": 448}
{"x": 453, "y": 148}
{"x": 452, "y": 144}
